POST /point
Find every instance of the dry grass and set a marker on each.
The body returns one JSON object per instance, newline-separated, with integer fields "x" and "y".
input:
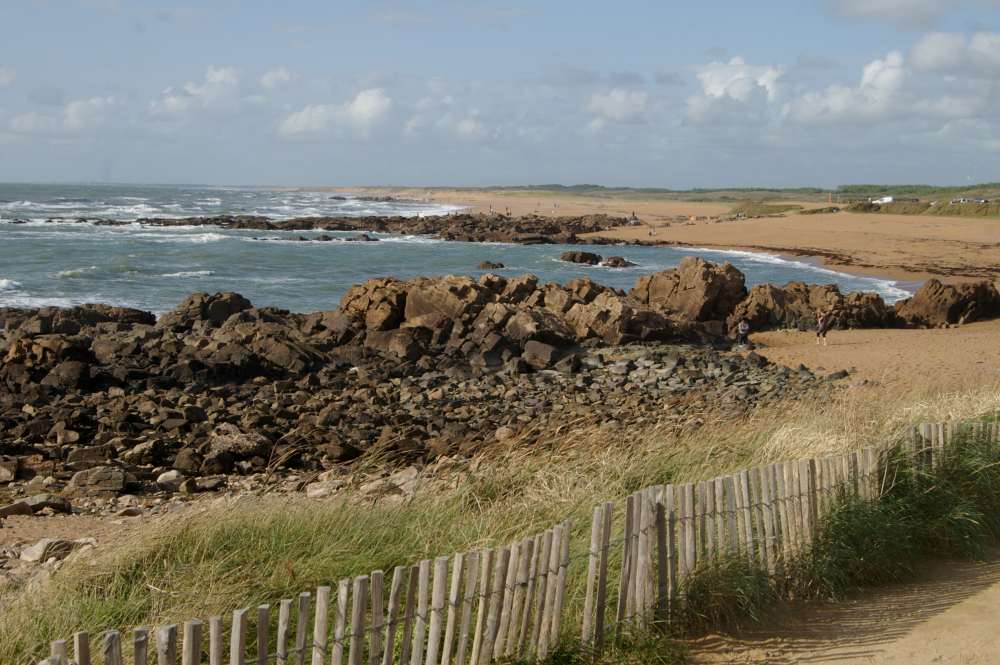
{"x": 218, "y": 556}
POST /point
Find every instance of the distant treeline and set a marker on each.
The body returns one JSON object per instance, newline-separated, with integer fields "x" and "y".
{"x": 858, "y": 190}
{"x": 921, "y": 191}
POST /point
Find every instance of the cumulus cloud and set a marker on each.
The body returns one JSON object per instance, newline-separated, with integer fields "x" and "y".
{"x": 7, "y": 76}
{"x": 938, "y": 51}
{"x": 875, "y": 95}
{"x": 86, "y": 113}
{"x": 616, "y": 105}
{"x": 737, "y": 79}
{"x": 359, "y": 115}
{"x": 220, "y": 86}
{"x": 446, "y": 117}
{"x": 76, "y": 116}
{"x": 733, "y": 89}
{"x": 906, "y": 12}
{"x": 274, "y": 77}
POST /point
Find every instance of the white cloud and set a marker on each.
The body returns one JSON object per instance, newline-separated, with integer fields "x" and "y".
{"x": 7, "y": 76}
{"x": 907, "y": 12}
{"x": 272, "y": 78}
{"x": 984, "y": 51}
{"x": 952, "y": 52}
{"x": 220, "y": 87}
{"x": 938, "y": 51}
{"x": 875, "y": 95}
{"x": 358, "y": 114}
{"x": 76, "y": 116}
{"x": 367, "y": 107}
{"x": 734, "y": 92}
{"x": 738, "y": 80}
{"x": 618, "y": 105}
{"x": 85, "y": 113}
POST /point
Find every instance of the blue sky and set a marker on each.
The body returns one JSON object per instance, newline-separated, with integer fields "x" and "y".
{"x": 815, "y": 92}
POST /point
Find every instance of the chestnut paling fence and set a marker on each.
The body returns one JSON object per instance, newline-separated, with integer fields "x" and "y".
{"x": 510, "y": 602}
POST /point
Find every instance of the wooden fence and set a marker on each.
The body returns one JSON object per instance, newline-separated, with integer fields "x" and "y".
{"x": 508, "y": 603}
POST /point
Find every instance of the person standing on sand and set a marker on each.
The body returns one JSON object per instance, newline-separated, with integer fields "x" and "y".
{"x": 743, "y": 332}
{"x": 823, "y": 321}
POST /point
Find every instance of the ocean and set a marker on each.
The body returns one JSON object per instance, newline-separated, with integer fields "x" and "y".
{"x": 62, "y": 263}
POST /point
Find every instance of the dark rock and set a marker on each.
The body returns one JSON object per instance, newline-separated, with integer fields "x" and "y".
{"x": 586, "y": 258}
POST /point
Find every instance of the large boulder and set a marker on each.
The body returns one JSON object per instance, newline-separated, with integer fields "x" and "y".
{"x": 375, "y": 305}
{"x": 202, "y": 307}
{"x": 795, "y": 306}
{"x": 435, "y": 303}
{"x": 695, "y": 290}
{"x": 936, "y": 304}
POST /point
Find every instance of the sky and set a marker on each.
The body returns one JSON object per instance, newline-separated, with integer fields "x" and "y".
{"x": 654, "y": 94}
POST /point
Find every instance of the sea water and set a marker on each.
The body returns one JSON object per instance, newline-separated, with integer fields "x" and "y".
{"x": 63, "y": 263}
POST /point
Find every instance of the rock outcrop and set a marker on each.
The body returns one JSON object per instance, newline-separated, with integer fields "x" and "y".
{"x": 694, "y": 291}
{"x": 936, "y": 304}
{"x": 795, "y": 306}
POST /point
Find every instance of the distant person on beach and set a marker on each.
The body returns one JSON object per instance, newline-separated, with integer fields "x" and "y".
{"x": 743, "y": 332}
{"x": 823, "y": 321}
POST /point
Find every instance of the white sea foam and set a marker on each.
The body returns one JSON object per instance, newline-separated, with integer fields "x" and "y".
{"x": 190, "y": 273}
{"x": 9, "y": 285}
{"x": 888, "y": 289}
{"x": 75, "y": 272}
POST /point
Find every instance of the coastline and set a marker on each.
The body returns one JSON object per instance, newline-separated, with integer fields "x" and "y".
{"x": 902, "y": 248}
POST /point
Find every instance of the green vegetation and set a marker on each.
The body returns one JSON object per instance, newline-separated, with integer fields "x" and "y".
{"x": 943, "y": 208}
{"x": 983, "y": 190}
{"x": 217, "y": 556}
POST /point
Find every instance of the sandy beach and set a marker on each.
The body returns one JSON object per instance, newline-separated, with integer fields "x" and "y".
{"x": 906, "y": 248}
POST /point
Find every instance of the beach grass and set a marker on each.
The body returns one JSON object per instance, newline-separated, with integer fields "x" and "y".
{"x": 219, "y": 555}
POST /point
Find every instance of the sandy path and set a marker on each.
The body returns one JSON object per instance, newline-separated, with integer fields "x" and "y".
{"x": 948, "y": 359}
{"x": 948, "y": 617}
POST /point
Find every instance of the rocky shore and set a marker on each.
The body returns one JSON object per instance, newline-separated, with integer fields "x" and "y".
{"x": 467, "y": 227}
{"x": 99, "y": 401}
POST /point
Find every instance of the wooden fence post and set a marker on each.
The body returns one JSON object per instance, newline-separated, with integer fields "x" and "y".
{"x": 81, "y": 648}
{"x": 237, "y": 638}
{"x": 440, "y": 584}
{"x": 112, "y": 648}
{"x": 500, "y": 564}
{"x": 263, "y": 638}
{"x": 420, "y": 621}
{"x": 340, "y": 622}
{"x": 375, "y": 645}
{"x": 359, "y": 598}
{"x": 191, "y": 654}
{"x": 215, "y": 640}
{"x": 513, "y": 562}
{"x": 166, "y": 645}
{"x": 485, "y": 596}
{"x": 602, "y": 578}
{"x": 593, "y": 561}
{"x": 454, "y": 601}
{"x": 281, "y": 640}
{"x": 399, "y": 575}
{"x": 301, "y": 627}
{"x": 468, "y": 598}
{"x": 320, "y": 624}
